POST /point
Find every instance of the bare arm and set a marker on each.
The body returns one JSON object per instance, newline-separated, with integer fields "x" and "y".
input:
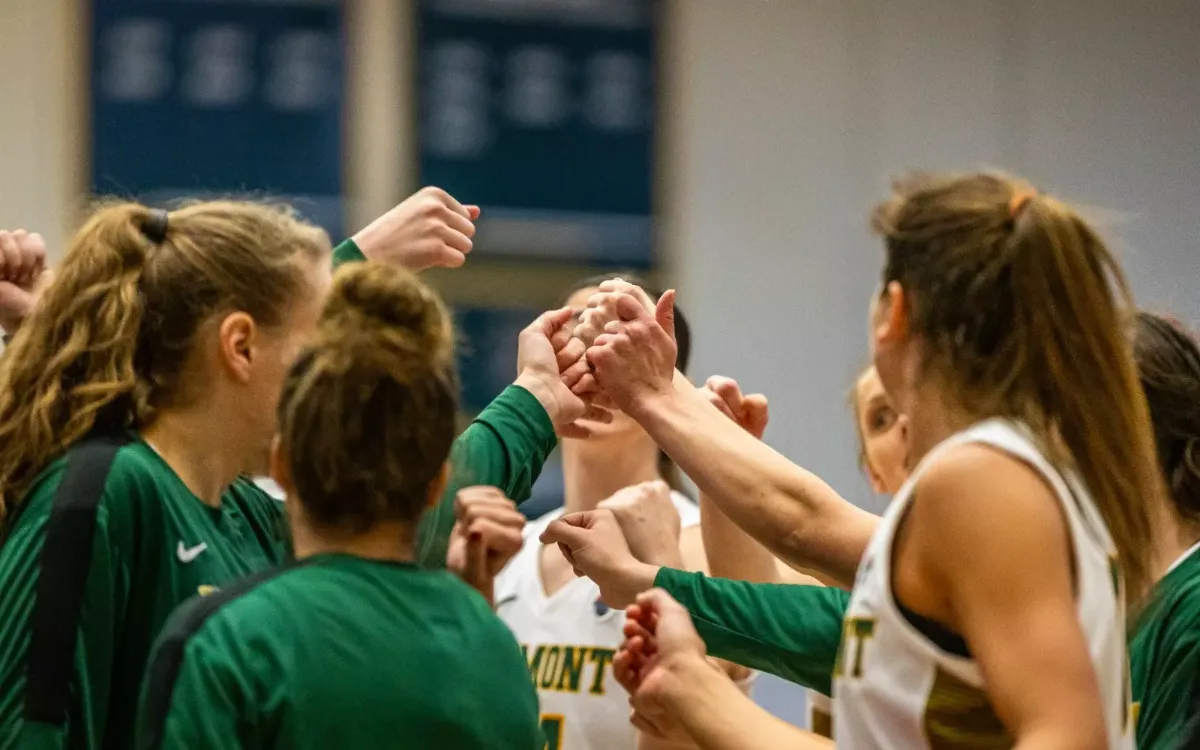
{"x": 792, "y": 512}
{"x": 1014, "y": 603}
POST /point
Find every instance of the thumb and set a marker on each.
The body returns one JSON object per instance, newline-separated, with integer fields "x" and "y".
{"x": 665, "y": 312}
{"x": 563, "y": 532}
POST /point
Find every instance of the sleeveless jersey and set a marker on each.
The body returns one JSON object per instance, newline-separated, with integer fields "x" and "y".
{"x": 569, "y": 640}
{"x": 895, "y": 688}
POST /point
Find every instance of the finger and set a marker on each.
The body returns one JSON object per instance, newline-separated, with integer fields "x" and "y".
{"x": 586, "y": 385}
{"x": 629, "y": 309}
{"x": 571, "y": 530}
{"x": 562, "y": 338}
{"x": 756, "y": 414}
{"x": 713, "y": 398}
{"x": 575, "y": 373}
{"x": 642, "y": 724}
{"x": 455, "y": 239}
{"x": 503, "y": 518}
{"x": 498, "y": 539}
{"x": 452, "y": 203}
{"x": 459, "y": 223}
{"x": 569, "y": 353}
{"x": 575, "y": 431}
{"x": 10, "y": 256}
{"x": 602, "y": 341}
{"x": 602, "y": 400}
{"x": 473, "y": 212}
{"x": 613, "y": 326}
{"x": 625, "y": 671}
{"x": 477, "y": 558}
{"x": 34, "y": 256}
{"x": 596, "y": 414}
{"x": 550, "y": 321}
{"x": 664, "y": 312}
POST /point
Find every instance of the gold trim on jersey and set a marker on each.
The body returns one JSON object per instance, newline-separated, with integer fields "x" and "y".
{"x": 959, "y": 716}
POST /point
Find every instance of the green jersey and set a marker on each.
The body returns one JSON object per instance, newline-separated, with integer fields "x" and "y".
{"x": 340, "y": 652}
{"x": 1164, "y": 656}
{"x": 155, "y": 545}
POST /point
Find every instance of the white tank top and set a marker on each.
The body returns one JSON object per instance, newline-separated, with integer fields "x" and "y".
{"x": 895, "y": 688}
{"x": 569, "y": 640}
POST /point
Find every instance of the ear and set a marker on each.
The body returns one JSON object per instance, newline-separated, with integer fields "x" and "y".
{"x": 238, "y": 337}
{"x": 437, "y": 487}
{"x": 280, "y": 469}
{"x": 891, "y": 314}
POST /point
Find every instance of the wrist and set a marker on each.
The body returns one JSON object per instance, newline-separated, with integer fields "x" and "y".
{"x": 650, "y": 403}
{"x": 695, "y": 683}
{"x": 541, "y": 389}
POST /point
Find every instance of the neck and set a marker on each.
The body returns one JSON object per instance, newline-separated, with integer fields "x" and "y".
{"x": 387, "y": 541}
{"x": 1177, "y": 536}
{"x": 203, "y": 457}
{"x": 595, "y": 472}
{"x": 930, "y": 421}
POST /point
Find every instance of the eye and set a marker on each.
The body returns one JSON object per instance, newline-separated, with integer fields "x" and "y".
{"x": 881, "y": 419}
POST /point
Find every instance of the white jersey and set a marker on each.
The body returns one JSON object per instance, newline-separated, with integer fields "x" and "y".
{"x": 569, "y": 640}
{"x": 895, "y": 688}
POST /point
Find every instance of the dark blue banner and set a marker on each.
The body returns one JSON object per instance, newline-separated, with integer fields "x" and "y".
{"x": 202, "y": 97}
{"x": 542, "y": 112}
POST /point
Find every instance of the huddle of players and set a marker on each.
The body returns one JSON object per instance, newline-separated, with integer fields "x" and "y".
{"x": 1035, "y": 521}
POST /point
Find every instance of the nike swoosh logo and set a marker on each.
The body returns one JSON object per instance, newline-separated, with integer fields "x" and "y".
{"x": 506, "y": 600}
{"x": 187, "y": 554}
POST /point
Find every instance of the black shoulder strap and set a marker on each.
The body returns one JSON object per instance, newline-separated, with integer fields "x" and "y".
{"x": 62, "y": 581}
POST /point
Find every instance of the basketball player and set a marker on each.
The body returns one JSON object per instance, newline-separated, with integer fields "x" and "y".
{"x": 322, "y": 653}
{"x": 1047, "y": 435}
{"x": 132, "y": 399}
{"x": 569, "y": 633}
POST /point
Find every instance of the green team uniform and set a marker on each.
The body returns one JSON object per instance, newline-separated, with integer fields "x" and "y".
{"x": 154, "y": 545}
{"x": 794, "y": 632}
{"x": 340, "y": 652}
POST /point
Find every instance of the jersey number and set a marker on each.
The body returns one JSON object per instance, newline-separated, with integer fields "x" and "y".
{"x": 552, "y": 727}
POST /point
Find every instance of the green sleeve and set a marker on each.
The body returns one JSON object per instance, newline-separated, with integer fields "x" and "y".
{"x": 1170, "y": 667}
{"x": 786, "y": 630}
{"x": 504, "y": 447}
{"x": 347, "y": 252}
{"x": 204, "y": 709}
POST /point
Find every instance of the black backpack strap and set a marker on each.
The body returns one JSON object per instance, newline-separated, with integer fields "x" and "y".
{"x": 62, "y": 580}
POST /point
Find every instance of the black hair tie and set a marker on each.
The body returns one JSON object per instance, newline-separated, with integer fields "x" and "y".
{"x": 155, "y": 226}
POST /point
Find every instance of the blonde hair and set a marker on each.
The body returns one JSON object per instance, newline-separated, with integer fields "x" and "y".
{"x": 367, "y": 415}
{"x": 106, "y": 345}
{"x": 1022, "y": 308}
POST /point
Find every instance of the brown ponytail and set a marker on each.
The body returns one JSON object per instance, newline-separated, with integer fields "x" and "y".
{"x": 367, "y": 415}
{"x": 1020, "y": 306}
{"x": 108, "y": 339}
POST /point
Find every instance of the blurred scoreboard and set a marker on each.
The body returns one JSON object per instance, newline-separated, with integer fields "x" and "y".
{"x": 543, "y": 113}
{"x": 204, "y": 97}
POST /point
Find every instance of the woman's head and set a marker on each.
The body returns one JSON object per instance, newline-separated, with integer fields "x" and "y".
{"x": 883, "y": 443}
{"x": 150, "y": 312}
{"x": 367, "y": 414}
{"x": 999, "y": 301}
{"x": 1168, "y": 359}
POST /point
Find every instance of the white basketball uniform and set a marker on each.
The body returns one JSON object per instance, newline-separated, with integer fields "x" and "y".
{"x": 569, "y": 640}
{"x": 894, "y": 688}
{"x": 820, "y": 714}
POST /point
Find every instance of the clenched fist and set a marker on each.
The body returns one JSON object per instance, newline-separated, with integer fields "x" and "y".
{"x": 429, "y": 229}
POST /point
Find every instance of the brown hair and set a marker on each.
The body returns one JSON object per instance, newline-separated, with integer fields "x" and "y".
{"x": 1168, "y": 360}
{"x": 367, "y": 415}
{"x": 1020, "y": 305}
{"x": 106, "y": 345}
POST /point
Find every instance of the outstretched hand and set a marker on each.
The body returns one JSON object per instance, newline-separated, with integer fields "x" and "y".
{"x": 23, "y": 276}
{"x": 539, "y": 350}
{"x": 428, "y": 229}
{"x": 595, "y": 545}
{"x": 486, "y": 535}
{"x": 634, "y": 359}
{"x": 749, "y": 412}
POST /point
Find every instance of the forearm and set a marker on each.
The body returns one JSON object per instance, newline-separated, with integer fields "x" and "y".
{"x": 504, "y": 447}
{"x": 718, "y": 716}
{"x": 792, "y": 512}
{"x": 789, "y": 631}
{"x": 731, "y": 552}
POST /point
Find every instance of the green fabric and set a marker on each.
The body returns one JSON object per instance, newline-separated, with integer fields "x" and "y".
{"x": 1164, "y": 656}
{"x": 342, "y": 652}
{"x": 148, "y": 526}
{"x": 347, "y": 252}
{"x": 504, "y": 447}
{"x": 791, "y": 631}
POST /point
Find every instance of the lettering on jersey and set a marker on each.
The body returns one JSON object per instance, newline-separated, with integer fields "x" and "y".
{"x": 856, "y": 631}
{"x": 565, "y": 669}
{"x": 552, "y": 727}
{"x": 960, "y": 715}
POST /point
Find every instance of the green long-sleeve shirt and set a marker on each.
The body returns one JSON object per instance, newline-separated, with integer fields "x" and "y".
{"x": 155, "y": 545}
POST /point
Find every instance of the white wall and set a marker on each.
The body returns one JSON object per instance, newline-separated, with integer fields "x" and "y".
{"x": 782, "y": 122}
